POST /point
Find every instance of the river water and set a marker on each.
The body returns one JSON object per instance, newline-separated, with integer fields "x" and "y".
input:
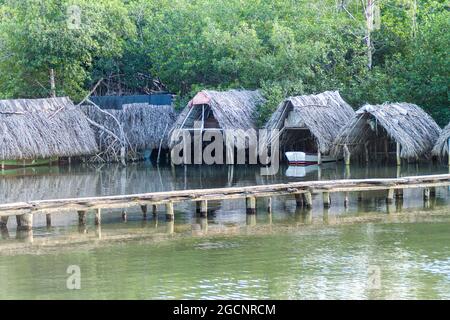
{"x": 366, "y": 251}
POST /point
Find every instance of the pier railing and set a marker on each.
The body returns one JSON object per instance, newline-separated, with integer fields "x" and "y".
{"x": 302, "y": 191}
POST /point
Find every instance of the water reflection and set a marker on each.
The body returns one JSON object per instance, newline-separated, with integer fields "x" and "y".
{"x": 293, "y": 252}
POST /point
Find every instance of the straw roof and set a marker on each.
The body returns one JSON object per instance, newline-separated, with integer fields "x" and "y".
{"x": 441, "y": 147}
{"x": 144, "y": 125}
{"x": 233, "y": 109}
{"x": 43, "y": 128}
{"x": 322, "y": 114}
{"x": 405, "y": 123}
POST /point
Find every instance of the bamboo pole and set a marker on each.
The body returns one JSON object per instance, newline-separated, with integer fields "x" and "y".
{"x": 398, "y": 152}
{"x": 98, "y": 216}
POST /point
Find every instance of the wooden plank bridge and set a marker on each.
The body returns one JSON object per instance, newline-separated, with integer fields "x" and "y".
{"x": 302, "y": 191}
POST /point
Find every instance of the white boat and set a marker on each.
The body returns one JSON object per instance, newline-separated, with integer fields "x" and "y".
{"x": 298, "y": 158}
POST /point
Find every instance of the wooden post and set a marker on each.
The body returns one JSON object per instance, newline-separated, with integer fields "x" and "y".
{"x": 326, "y": 200}
{"x": 399, "y": 193}
{"x": 26, "y": 221}
{"x": 426, "y": 194}
{"x": 124, "y": 216}
{"x": 360, "y": 196}
{"x": 269, "y": 205}
{"x": 169, "y": 211}
{"x": 4, "y": 221}
{"x": 98, "y": 216}
{"x": 251, "y": 220}
{"x": 390, "y": 196}
{"x": 144, "y": 211}
{"x": 299, "y": 200}
{"x": 251, "y": 205}
{"x": 307, "y": 199}
{"x": 48, "y": 220}
{"x": 82, "y": 217}
{"x": 346, "y": 200}
{"x": 346, "y": 155}
{"x": 154, "y": 210}
{"x": 366, "y": 151}
{"x": 398, "y": 151}
{"x": 170, "y": 228}
{"x": 386, "y": 149}
{"x": 433, "y": 192}
{"x": 203, "y": 208}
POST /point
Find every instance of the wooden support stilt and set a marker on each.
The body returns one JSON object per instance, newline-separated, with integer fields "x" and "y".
{"x": 169, "y": 211}
{"x": 154, "y": 210}
{"x": 144, "y": 211}
{"x": 326, "y": 199}
{"x": 251, "y": 205}
{"x": 432, "y": 192}
{"x": 26, "y": 221}
{"x": 98, "y": 216}
{"x": 426, "y": 194}
{"x": 399, "y": 193}
{"x": 386, "y": 149}
{"x": 251, "y": 220}
{"x": 366, "y": 151}
{"x": 390, "y": 196}
{"x": 360, "y": 196}
{"x": 124, "y": 216}
{"x": 307, "y": 199}
{"x": 82, "y": 217}
{"x": 398, "y": 152}
{"x": 48, "y": 220}
{"x": 346, "y": 155}
{"x": 203, "y": 208}
{"x": 4, "y": 221}
{"x": 346, "y": 200}
{"x": 299, "y": 200}
{"x": 170, "y": 227}
{"x": 269, "y": 205}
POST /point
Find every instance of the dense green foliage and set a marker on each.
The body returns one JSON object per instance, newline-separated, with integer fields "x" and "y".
{"x": 283, "y": 47}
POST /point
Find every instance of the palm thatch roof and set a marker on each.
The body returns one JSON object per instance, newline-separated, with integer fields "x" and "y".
{"x": 403, "y": 123}
{"x": 323, "y": 115}
{"x": 43, "y": 128}
{"x": 232, "y": 109}
{"x": 145, "y": 126}
{"x": 441, "y": 147}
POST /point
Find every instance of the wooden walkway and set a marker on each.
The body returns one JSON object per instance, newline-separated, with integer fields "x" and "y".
{"x": 302, "y": 191}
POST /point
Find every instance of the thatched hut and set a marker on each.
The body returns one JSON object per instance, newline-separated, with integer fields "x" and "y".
{"x": 219, "y": 110}
{"x": 310, "y": 123}
{"x": 442, "y": 147}
{"x": 32, "y": 131}
{"x": 403, "y": 129}
{"x": 145, "y": 127}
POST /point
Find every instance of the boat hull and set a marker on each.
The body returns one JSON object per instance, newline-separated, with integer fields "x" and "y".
{"x": 15, "y": 164}
{"x": 298, "y": 158}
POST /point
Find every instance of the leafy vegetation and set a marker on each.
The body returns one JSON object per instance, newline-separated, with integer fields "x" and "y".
{"x": 283, "y": 47}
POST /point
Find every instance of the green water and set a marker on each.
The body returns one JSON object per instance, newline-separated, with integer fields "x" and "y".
{"x": 361, "y": 252}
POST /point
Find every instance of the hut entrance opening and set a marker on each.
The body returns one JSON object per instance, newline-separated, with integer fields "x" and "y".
{"x": 375, "y": 142}
{"x": 295, "y": 135}
{"x": 201, "y": 117}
